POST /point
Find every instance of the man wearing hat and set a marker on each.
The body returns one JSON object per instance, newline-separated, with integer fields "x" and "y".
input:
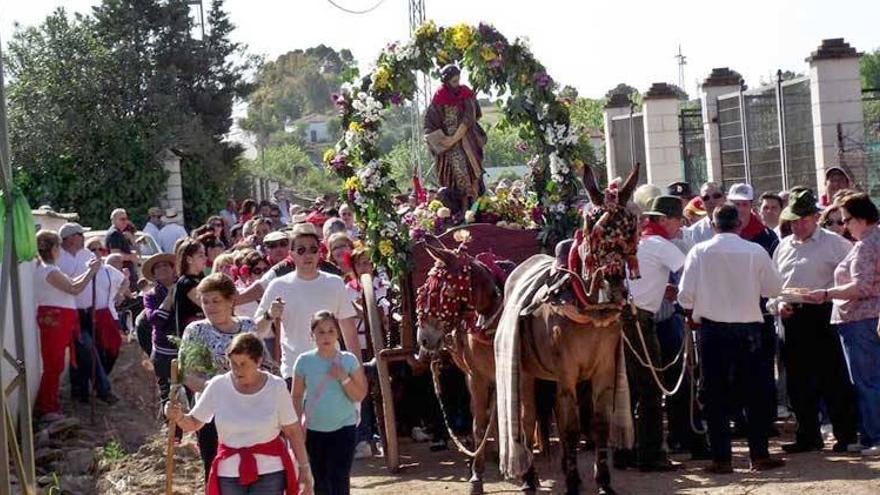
{"x": 658, "y": 258}
{"x": 295, "y": 297}
{"x": 154, "y": 222}
{"x": 171, "y": 232}
{"x": 681, "y": 190}
{"x": 836, "y": 179}
{"x": 73, "y": 261}
{"x": 812, "y": 355}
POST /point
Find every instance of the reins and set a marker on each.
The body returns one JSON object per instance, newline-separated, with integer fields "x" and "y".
{"x": 435, "y": 373}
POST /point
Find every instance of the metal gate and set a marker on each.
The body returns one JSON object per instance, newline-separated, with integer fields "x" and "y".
{"x": 628, "y": 136}
{"x": 766, "y": 136}
{"x": 693, "y": 147}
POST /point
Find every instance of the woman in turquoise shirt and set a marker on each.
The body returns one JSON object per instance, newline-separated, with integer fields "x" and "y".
{"x": 327, "y": 385}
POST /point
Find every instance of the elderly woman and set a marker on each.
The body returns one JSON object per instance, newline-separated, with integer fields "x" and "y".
{"x": 57, "y": 319}
{"x": 251, "y": 410}
{"x": 215, "y": 333}
{"x": 856, "y": 297}
{"x": 159, "y": 311}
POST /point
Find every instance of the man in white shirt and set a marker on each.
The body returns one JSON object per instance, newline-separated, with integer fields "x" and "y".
{"x": 73, "y": 261}
{"x": 154, "y": 223}
{"x": 658, "y": 257}
{"x": 171, "y": 232}
{"x": 812, "y": 354}
{"x": 297, "y": 296}
{"x": 721, "y": 286}
{"x": 713, "y": 197}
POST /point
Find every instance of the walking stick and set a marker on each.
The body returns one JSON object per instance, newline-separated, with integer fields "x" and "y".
{"x": 93, "y": 394}
{"x": 172, "y": 427}
{"x": 276, "y": 348}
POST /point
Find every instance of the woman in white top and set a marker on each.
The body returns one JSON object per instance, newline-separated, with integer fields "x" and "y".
{"x": 57, "y": 319}
{"x": 252, "y": 410}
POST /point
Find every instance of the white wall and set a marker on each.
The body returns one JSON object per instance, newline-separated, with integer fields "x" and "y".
{"x": 33, "y": 362}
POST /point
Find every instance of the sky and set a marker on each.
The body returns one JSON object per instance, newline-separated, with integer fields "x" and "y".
{"x": 590, "y": 44}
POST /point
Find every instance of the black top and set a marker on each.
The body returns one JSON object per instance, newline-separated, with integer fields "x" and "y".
{"x": 115, "y": 239}
{"x": 185, "y": 310}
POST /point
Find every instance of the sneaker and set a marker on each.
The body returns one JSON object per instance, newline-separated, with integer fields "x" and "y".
{"x": 855, "y": 448}
{"x": 872, "y": 451}
{"x": 363, "y": 450}
{"x": 419, "y": 435}
{"x": 782, "y": 412}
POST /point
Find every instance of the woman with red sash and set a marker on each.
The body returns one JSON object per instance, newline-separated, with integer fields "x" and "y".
{"x": 57, "y": 319}
{"x": 252, "y": 410}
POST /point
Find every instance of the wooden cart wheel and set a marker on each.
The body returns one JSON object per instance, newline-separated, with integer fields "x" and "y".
{"x": 373, "y": 320}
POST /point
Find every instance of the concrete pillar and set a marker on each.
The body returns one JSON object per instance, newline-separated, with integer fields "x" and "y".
{"x": 173, "y": 197}
{"x": 721, "y": 81}
{"x": 838, "y": 119}
{"x": 619, "y": 104}
{"x": 662, "y": 147}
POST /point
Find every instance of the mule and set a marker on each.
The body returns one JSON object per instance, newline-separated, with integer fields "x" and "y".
{"x": 567, "y": 343}
{"x": 457, "y": 306}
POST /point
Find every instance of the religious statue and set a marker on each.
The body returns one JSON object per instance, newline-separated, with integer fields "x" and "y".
{"x": 456, "y": 140}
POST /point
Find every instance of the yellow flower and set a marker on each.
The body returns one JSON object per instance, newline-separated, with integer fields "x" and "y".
{"x": 426, "y": 30}
{"x": 352, "y": 183}
{"x": 488, "y": 54}
{"x": 381, "y": 78}
{"x": 442, "y": 56}
{"x": 329, "y": 154}
{"x": 355, "y": 127}
{"x": 435, "y": 205}
{"x": 386, "y": 248}
{"x": 462, "y": 36}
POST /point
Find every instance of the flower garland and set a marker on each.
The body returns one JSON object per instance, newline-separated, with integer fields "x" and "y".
{"x": 493, "y": 65}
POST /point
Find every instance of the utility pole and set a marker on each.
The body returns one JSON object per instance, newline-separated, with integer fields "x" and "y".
{"x": 682, "y": 61}
{"x": 422, "y": 96}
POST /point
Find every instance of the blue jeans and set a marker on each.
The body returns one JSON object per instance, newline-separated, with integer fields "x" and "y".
{"x": 861, "y": 345}
{"x": 266, "y": 484}
{"x": 735, "y": 370}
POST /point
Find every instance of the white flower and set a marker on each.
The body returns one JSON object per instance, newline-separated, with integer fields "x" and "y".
{"x": 444, "y": 212}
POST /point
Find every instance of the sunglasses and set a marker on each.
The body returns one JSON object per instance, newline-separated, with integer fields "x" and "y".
{"x": 311, "y": 250}
{"x": 707, "y": 197}
{"x": 276, "y": 244}
{"x": 839, "y": 223}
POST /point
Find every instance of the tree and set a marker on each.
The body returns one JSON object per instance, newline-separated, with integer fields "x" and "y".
{"x": 587, "y": 113}
{"x": 113, "y": 90}
{"x": 869, "y": 68}
{"x": 504, "y": 147}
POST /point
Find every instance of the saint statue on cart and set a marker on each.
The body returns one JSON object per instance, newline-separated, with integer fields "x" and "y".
{"x": 456, "y": 140}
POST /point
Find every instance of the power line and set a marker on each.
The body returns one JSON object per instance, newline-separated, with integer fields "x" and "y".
{"x": 356, "y": 12}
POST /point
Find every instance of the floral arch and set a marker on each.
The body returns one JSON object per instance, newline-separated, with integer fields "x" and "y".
{"x": 493, "y": 63}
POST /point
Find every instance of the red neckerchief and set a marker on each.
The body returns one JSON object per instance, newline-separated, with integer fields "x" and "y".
{"x": 247, "y": 465}
{"x": 753, "y": 229}
{"x": 652, "y": 228}
{"x": 455, "y": 98}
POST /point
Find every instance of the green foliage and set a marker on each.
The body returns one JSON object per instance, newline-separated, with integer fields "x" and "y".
{"x": 402, "y": 161}
{"x": 294, "y": 85}
{"x": 504, "y": 147}
{"x": 112, "y": 452}
{"x": 586, "y": 113}
{"x": 869, "y": 68}
{"x": 94, "y": 99}
{"x": 194, "y": 357}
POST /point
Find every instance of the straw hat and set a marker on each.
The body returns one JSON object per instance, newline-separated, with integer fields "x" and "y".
{"x": 152, "y": 261}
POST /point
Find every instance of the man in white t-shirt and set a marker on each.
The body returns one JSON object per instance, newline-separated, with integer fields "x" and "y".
{"x": 171, "y": 232}
{"x": 295, "y": 297}
{"x": 154, "y": 222}
{"x": 658, "y": 257}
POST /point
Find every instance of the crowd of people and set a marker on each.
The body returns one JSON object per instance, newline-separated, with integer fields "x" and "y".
{"x": 782, "y": 296}
{"x": 782, "y": 293}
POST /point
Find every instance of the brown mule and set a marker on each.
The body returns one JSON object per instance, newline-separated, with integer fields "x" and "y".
{"x": 567, "y": 345}
{"x": 471, "y": 350}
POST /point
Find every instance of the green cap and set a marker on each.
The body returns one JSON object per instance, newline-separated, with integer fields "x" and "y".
{"x": 803, "y": 204}
{"x": 665, "y": 206}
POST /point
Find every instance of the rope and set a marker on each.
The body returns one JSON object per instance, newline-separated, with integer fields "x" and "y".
{"x": 435, "y": 373}
{"x": 694, "y": 401}
{"x": 356, "y": 12}
{"x": 650, "y": 365}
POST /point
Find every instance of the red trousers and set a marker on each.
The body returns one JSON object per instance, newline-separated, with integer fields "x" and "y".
{"x": 59, "y": 327}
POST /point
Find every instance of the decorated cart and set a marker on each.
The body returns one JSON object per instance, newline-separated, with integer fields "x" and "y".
{"x": 522, "y": 224}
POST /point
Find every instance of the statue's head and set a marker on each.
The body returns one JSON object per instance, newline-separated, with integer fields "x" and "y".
{"x": 450, "y": 75}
